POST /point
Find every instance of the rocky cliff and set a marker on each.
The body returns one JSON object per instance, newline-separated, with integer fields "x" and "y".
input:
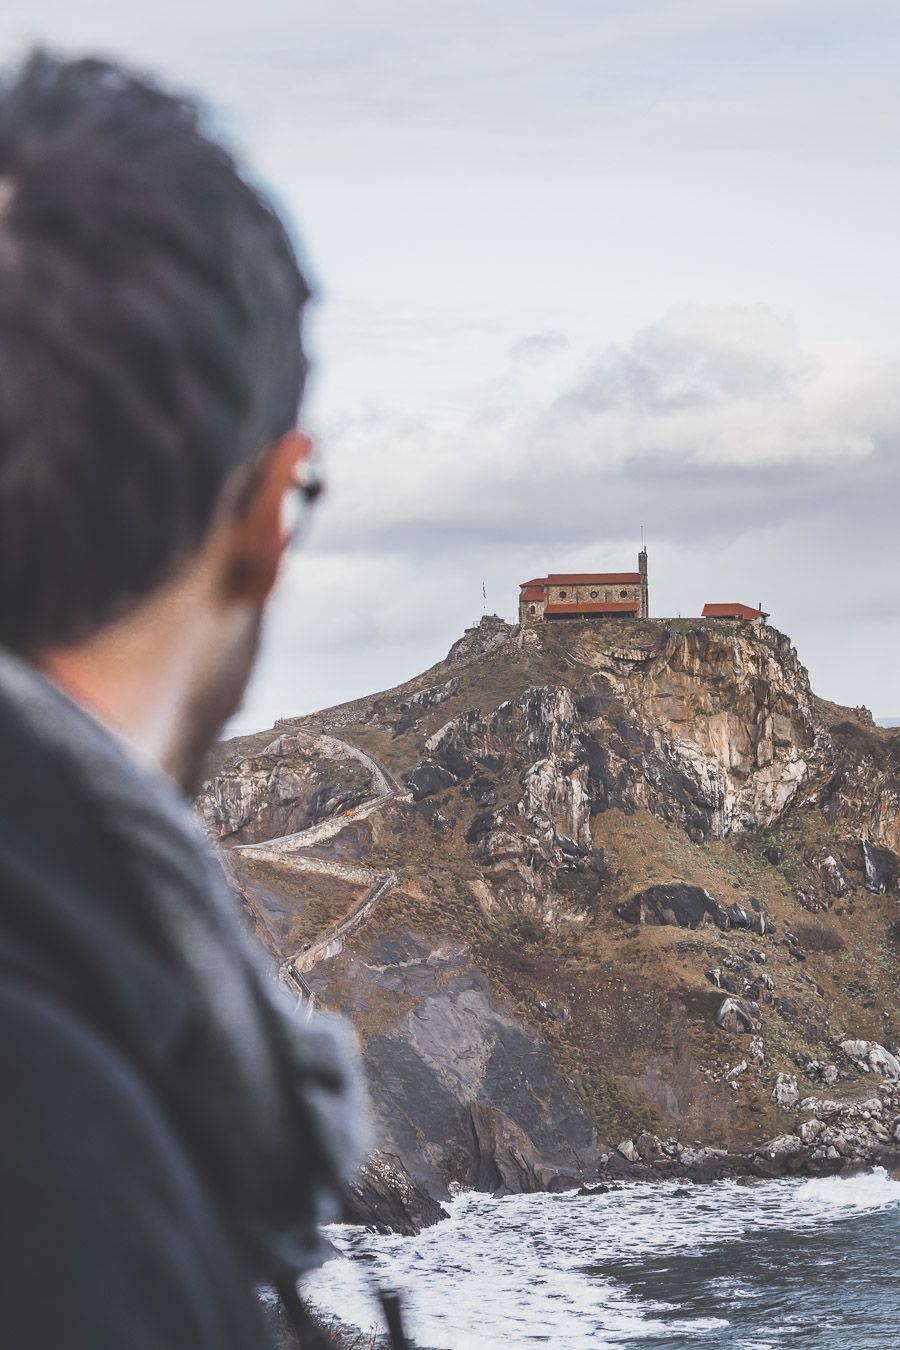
{"x": 583, "y": 887}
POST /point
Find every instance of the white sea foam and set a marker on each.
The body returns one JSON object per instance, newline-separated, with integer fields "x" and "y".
{"x": 868, "y": 1190}
{"x": 572, "y": 1271}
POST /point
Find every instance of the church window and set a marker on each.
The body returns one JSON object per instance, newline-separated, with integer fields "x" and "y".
{"x": 623, "y": 595}
{"x": 593, "y": 595}
{"x": 563, "y": 594}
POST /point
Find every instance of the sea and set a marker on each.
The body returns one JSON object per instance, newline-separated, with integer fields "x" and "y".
{"x": 668, "y": 1265}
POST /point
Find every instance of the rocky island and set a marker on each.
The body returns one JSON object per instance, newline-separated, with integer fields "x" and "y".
{"x": 603, "y": 899}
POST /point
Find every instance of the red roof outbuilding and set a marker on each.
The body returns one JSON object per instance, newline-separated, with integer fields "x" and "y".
{"x": 734, "y": 611}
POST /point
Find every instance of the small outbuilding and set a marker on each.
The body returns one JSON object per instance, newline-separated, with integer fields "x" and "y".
{"x": 746, "y": 613}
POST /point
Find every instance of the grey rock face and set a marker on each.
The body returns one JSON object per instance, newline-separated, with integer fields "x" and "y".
{"x": 490, "y": 635}
{"x": 466, "y": 744}
{"x": 290, "y": 784}
{"x": 784, "y": 1147}
{"x": 834, "y": 878}
{"x": 819, "y": 1070}
{"x": 422, "y": 701}
{"x": 872, "y": 1058}
{"x": 862, "y": 798}
{"x": 506, "y": 1161}
{"x": 463, "y": 1093}
{"x": 739, "y": 1014}
{"x": 662, "y": 729}
{"x": 738, "y": 917}
{"x": 785, "y": 1093}
{"x": 688, "y": 751}
{"x": 482, "y": 790}
{"x": 521, "y": 845}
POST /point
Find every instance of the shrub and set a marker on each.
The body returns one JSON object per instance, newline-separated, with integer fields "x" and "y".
{"x": 819, "y": 937}
{"x": 527, "y": 929}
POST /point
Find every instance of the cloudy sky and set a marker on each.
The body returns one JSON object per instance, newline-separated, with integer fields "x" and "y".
{"x": 583, "y": 266}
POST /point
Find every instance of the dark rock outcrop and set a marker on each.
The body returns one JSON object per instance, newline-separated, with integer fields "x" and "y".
{"x": 435, "y": 817}
{"x": 677, "y": 904}
{"x": 384, "y": 1196}
{"x": 882, "y": 868}
{"x": 422, "y": 701}
{"x": 739, "y": 1014}
{"x": 440, "y": 1073}
{"x": 425, "y": 778}
{"x": 482, "y": 790}
{"x": 506, "y": 1162}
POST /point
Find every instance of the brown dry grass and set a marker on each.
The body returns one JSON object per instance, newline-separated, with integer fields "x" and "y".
{"x": 291, "y": 907}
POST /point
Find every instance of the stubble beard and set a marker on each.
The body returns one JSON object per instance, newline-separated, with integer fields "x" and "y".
{"x": 215, "y": 701}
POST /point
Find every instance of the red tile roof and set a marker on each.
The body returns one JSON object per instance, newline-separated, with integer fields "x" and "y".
{"x": 733, "y": 612}
{"x": 533, "y": 593}
{"x": 611, "y": 607}
{"x": 535, "y": 581}
{"x": 589, "y": 578}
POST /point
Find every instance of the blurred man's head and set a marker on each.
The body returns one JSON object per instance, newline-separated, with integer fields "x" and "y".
{"x": 151, "y": 371}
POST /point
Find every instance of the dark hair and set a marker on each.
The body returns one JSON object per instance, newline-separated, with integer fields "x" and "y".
{"x": 150, "y": 312}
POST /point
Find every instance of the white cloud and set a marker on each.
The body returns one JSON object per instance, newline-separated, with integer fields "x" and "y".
{"x": 535, "y": 345}
{"x": 729, "y": 387}
{"x": 761, "y": 469}
{"x": 717, "y": 391}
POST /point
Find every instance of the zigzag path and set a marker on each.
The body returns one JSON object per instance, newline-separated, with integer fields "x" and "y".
{"x": 289, "y": 848}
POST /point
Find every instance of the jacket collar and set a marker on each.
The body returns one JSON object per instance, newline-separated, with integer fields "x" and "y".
{"x": 65, "y": 918}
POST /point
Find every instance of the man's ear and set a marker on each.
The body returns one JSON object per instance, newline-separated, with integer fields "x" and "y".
{"x": 255, "y": 535}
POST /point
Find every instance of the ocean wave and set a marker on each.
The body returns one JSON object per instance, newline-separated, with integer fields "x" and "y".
{"x": 867, "y": 1190}
{"x": 664, "y": 1265}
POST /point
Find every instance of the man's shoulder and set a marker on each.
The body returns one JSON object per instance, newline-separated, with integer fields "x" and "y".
{"x": 66, "y": 920}
{"x": 50, "y": 1053}
{"x": 104, "y": 1222}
